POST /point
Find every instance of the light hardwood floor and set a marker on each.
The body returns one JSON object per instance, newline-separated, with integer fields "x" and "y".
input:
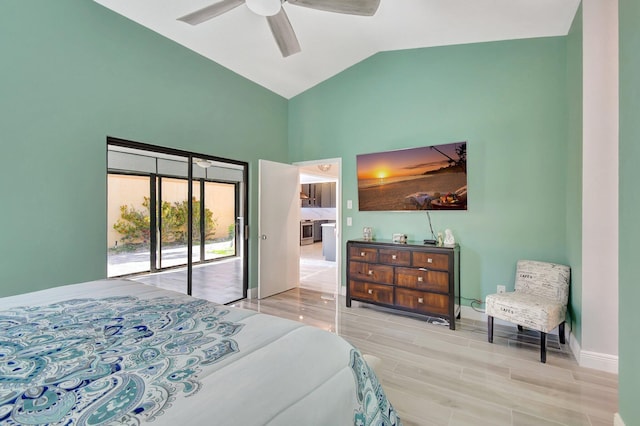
{"x": 435, "y": 376}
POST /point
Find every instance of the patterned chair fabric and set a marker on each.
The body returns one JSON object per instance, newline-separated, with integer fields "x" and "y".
{"x": 539, "y": 301}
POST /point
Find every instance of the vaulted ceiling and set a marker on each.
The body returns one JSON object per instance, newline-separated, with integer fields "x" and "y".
{"x": 330, "y": 42}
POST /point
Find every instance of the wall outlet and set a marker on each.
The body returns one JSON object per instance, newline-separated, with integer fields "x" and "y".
{"x": 501, "y": 289}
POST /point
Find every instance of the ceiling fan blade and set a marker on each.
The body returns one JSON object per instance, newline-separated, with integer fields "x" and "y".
{"x": 351, "y": 7}
{"x": 210, "y": 12}
{"x": 283, "y": 33}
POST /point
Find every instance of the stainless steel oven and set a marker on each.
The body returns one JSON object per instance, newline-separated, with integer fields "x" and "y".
{"x": 306, "y": 232}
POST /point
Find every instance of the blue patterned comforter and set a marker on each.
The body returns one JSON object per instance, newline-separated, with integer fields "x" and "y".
{"x": 119, "y": 352}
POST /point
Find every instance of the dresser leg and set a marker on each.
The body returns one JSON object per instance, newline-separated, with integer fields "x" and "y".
{"x": 348, "y": 302}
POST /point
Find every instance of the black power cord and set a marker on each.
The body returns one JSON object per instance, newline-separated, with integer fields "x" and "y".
{"x": 476, "y": 302}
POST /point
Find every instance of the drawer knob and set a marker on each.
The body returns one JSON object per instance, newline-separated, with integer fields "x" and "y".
{"x": 361, "y": 254}
{"x": 394, "y": 257}
{"x": 370, "y": 291}
{"x": 429, "y": 260}
{"x": 420, "y": 279}
{"x": 420, "y": 300}
{"x": 370, "y": 272}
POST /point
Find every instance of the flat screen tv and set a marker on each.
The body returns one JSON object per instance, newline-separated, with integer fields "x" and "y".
{"x": 425, "y": 178}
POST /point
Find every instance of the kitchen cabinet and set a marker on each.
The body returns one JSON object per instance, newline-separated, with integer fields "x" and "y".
{"x": 319, "y": 194}
{"x": 328, "y": 194}
{"x": 329, "y": 241}
{"x": 308, "y": 189}
{"x": 317, "y": 230}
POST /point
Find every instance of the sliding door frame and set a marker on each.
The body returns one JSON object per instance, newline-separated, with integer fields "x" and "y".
{"x": 241, "y": 203}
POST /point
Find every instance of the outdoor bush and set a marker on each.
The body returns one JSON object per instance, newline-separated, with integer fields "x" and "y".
{"x": 134, "y": 225}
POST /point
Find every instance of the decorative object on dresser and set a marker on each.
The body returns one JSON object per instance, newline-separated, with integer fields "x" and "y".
{"x": 449, "y": 241}
{"x": 410, "y": 277}
{"x": 539, "y": 301}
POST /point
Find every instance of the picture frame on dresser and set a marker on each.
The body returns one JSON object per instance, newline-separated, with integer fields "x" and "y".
{"x": 411, "y": 277}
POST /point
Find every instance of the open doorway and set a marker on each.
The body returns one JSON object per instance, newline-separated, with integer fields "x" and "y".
{"x": 319, "y": 232}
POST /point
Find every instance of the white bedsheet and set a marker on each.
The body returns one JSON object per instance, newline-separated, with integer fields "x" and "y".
{"x": 120, "y": 352}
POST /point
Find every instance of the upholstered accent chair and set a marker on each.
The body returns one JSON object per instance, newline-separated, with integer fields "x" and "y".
{"x": 539, "y": 301}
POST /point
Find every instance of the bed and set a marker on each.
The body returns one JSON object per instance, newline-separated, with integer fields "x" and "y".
{"x": 121, "y": 352}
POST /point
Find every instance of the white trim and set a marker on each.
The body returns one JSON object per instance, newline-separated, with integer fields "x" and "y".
{"x": 253, "y": 293}
{"x": 599, "y": 361}
{"x": 470, "y": 313}
{"x": 574, "y": 345}
{"x": 343, "y": 290}
{"x": 590, "y": 359}
{"x": 587, "y": 359}
{"x": 617, "y": 420}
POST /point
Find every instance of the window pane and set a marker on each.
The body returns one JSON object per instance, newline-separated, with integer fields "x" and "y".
{"x": 220, "y": 215}
{"x": 127, "y": 225}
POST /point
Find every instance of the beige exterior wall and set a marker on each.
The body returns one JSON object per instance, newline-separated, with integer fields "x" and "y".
{"x": 131, "y": 190}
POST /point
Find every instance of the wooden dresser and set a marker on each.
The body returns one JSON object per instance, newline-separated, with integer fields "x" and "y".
{"x": 423, "y": 279}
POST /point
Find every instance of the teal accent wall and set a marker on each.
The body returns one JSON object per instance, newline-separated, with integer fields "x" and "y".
{"x": 574, "y": 171}
{"x": 629, "y": 288}
{"x": 74, "y": 72}
{"x": 507, "y": 99}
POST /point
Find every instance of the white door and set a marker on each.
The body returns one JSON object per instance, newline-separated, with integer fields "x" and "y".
{"x": 279, "y": 228}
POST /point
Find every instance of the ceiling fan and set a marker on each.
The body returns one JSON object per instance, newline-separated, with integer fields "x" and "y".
{"x": 277, "y": 18}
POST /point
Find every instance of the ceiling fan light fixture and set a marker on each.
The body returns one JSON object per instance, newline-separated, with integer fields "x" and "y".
{"x": 264, "y": 7}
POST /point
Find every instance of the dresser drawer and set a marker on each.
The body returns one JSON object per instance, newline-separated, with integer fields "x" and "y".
{"x": 422, "y": 279}
{"x": 371, "y": 272}
{"x": 394, "y": 257}
{"x": 372, "y": 292}
{"x": 412, "y": 277}
{"x": 366, "y": 254}
{"x": 431, "y": 261}
{"x": 423, "y": 302}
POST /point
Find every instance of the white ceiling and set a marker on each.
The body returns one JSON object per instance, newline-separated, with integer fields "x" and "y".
{"x": 241, "y": 40}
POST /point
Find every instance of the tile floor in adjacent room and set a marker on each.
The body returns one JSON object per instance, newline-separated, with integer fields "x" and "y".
{"x": 436, "y": 376}
{"x": 317, "y": 273}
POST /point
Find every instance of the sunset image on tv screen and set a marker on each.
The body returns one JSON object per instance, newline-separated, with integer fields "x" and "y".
{"x": 425, "y": 178}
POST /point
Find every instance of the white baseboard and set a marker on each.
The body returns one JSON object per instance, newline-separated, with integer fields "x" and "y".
{"x": 595, "y": 360}
{"x": 574, "y": 345}
{"x": 470, "y": 313}
{"x": 587, "y": 359}
{"x": 252, "y": 293}
{"x": 343, "y": 291}
{"x": 599, "y": 361}
{"x": 617, "y": 420}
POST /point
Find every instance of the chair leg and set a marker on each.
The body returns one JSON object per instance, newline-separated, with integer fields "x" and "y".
{"x": 490, "y": 328}
{"x": 520, "y": 328}
{"x": 561, "y": 332}
{"x": 543, "y": 347}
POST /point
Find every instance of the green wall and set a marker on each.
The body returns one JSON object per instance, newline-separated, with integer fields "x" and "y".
{"x": 629, "y": 289}
{"x": 72, "y": 73}
{"x": 507, "y": 99}
{"x": 574, "y": 171}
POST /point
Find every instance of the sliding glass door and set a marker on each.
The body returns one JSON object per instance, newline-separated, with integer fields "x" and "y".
{"x": 160, "y": 212}
{"x": 220, "y": 230}
{"x": 128, "y": 224}
{"x": 172, "y": 222}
